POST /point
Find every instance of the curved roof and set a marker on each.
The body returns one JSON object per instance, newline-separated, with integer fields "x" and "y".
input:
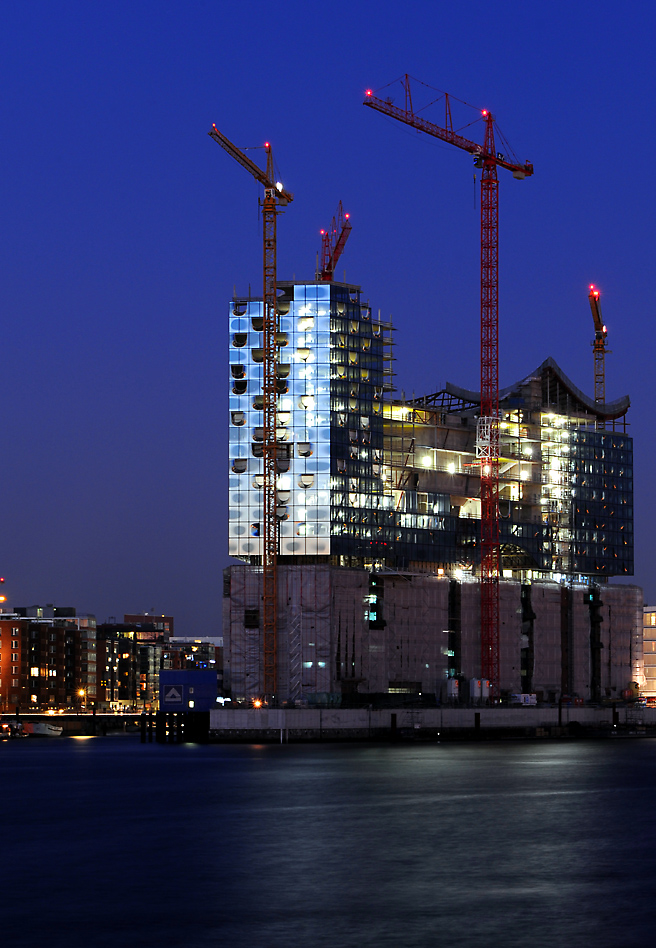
{"x": 608, "y": 410}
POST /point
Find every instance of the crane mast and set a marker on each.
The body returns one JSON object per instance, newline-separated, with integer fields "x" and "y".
{"x": 275, "y": 196}
{"x": 487, "y": 439}
{"x": 599, "y": 350}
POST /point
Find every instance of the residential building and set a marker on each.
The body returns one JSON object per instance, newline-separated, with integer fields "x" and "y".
{"x": 47, "y": 659}
{"x": 649, "y": 648}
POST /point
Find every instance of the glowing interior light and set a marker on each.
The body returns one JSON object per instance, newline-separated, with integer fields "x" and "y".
{"x": 451, "y": 468}
{"x": 426, "y": 461}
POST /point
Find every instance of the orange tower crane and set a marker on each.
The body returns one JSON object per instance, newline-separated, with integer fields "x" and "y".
{"x": 275, "y": 197}
{"x": 488, "y": 159}
{"x": 333, "y": 241}
{"x": 599, "y": 349}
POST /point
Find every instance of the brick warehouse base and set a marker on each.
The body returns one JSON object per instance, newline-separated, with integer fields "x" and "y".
{"x": 555, "y": 639}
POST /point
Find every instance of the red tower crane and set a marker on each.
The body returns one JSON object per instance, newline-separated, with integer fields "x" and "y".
{"x": 333, "y": 241}
{"x": 599, "y": 349}
{"x": 275, "y": 197}
{"x": 487, "y": 440}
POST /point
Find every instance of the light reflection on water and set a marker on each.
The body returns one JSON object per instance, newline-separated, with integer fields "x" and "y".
{"x": 112, "y": 843}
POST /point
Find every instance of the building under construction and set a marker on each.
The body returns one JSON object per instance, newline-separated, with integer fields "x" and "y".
{"x": 379, "y": 509}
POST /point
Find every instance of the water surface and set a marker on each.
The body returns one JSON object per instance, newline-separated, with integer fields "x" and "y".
{"x": 108, "y": 842}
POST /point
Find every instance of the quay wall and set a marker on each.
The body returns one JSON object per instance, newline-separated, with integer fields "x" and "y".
{"x": 363, "y": 723}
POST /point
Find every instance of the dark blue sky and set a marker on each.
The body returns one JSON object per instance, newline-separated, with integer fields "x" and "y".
{"x": 124, "y": 229}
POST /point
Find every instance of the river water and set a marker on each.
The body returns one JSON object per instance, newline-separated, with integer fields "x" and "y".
{"x": 107, "y": 842}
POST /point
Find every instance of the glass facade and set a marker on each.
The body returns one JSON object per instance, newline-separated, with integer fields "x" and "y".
{"x": 602, "y": 502}
{"x": 330, "y": 384}
{"x": 363, "y": 479}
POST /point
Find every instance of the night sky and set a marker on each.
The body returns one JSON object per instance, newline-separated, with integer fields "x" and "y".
{"x": 125, "y": 228}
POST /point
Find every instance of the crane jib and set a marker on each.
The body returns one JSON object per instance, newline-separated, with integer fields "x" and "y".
{"x": 447, "y": 135}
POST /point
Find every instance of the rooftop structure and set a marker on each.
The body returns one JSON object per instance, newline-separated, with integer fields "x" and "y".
{"x": 565, "y": 479}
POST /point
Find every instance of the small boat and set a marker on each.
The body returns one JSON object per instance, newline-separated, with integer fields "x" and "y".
{"x": 42, "y": 729}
